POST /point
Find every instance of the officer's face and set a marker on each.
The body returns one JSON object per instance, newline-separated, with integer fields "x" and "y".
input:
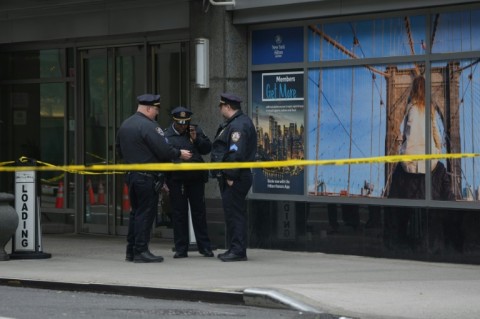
{"x": 223, "y": 109}
{"x": 181, "y": 128}
{"x": 153, "y": 112}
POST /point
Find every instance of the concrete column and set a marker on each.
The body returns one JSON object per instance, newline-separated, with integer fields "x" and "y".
{"x": 228, "y": 68}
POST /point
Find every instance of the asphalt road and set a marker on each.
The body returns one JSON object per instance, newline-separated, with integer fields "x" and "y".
{"x": 28, "y": 303}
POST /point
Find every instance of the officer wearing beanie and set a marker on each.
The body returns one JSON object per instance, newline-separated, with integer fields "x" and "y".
{"x": 140, "y": 140}
{"x": 188, "y": 186}
{"x": 235, "y": 141}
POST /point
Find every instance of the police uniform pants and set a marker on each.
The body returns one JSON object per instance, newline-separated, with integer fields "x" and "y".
{"x": 235, "y": 210}
{"x": 144, "y": 202}
{"x": 181, "y": 193}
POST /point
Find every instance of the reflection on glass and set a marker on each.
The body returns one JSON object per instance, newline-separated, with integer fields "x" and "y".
{"x": 52, "y": 112}
{"x": 171, "y": 74}
{"x": 113, "y": 79}
{"x": 51, "y": 63}
{"x": 32, "y": 64}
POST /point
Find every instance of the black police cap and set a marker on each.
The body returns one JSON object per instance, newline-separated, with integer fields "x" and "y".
{"x": 181, "y": 115}
{"x": 149, "y": 99}
{"x": 232, "y": 99}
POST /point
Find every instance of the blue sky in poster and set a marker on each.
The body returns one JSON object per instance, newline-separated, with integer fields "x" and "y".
{"x": 358, "y": 96}
{"x": 367, "y": 39}
{"x": 342, "y": 105}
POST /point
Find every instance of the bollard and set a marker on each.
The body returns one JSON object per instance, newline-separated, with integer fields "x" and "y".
{"x": 27, "y": 242}
{"x": 8, "y": 223}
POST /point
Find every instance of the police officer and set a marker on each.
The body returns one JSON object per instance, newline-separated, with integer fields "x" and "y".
{"x": 141, "y": 140}
{"x": 235, "y": 141}
{"x": 188, "y": 186}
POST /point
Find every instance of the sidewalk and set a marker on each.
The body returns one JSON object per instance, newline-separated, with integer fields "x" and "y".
{"x": 351, "y": 286}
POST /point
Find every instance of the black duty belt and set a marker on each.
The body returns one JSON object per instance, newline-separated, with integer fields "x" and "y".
{"x": 143, "y": 173}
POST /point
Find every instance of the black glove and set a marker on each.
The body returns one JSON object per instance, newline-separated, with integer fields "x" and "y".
{"x": 158, "y": 183}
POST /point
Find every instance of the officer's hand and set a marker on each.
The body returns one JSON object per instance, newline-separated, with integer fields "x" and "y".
{"x": 185, "y": 154}
{"x": 229, "y": 182}
{"x": 165, "y": 188}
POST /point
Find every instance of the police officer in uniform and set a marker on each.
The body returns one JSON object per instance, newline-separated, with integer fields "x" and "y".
{"x": 140, "y": 140}
{"x": 235, "y": 141}
{"x": 188, "y": 186}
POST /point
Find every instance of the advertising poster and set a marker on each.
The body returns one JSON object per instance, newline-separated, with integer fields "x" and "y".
{"x": 278, "y": 114}
{"x": 373, "y": 110}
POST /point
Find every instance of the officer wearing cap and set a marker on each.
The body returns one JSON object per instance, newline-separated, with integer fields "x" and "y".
{"x": 188, "y": 186}
{"x": 235, "y": 141}
{"x": 140, "y": 140}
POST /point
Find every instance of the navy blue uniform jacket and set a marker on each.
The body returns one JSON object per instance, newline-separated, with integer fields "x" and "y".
{"x": 201, "y": 146}
{"x": 141, "y": 140}
{"x": 235, "y": 141}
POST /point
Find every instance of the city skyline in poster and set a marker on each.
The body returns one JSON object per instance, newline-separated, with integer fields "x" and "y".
{"x": 278, "y": 114}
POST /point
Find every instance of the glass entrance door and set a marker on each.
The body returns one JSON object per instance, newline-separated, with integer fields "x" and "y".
{"x": 170, "y": 77}
{"x": 111, "y": 80}
{"x": 37, "y": 121}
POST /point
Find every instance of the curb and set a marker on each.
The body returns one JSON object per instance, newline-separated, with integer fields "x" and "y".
{"x": 273, "y": 299}
{"x": 223, "y": 297}
{"x": 255, "y": 297}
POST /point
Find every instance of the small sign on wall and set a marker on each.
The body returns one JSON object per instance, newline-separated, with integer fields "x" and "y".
{"x": 19, "y": 100}
{"x": 286, "y": 220}
{"x": 19, "y": 117}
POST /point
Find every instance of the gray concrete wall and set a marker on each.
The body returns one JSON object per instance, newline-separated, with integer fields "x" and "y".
{"x": 26, "y": 21}
{"x": 228, "y": 68}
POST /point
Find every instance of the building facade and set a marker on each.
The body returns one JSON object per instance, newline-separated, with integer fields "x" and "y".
{"x": 322, "y": 80}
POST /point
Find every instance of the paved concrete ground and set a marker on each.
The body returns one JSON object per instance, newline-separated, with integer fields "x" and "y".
{"x": 350, "y": 286}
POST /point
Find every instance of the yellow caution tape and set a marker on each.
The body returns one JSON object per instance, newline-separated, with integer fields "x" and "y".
{"x": 53, "y": 179}
{"x": 118, "y": 168}
{"x": 25, "y": 159}
{"x": 6, "y": 163}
